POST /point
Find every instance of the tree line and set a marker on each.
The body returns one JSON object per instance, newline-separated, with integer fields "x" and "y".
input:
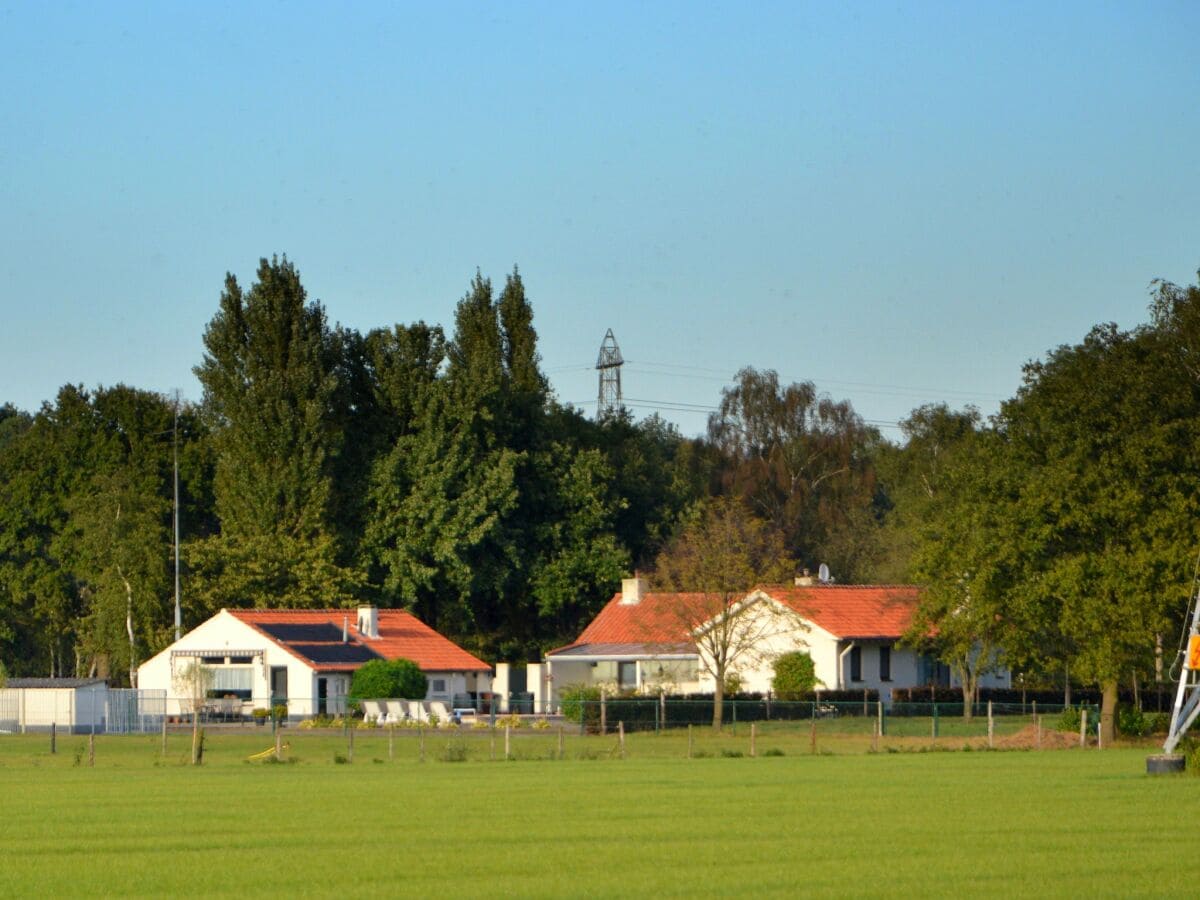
{"x": 433, "y": 469}
{"x": 411, "y": 466}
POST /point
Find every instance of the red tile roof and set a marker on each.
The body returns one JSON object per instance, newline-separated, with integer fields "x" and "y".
{"x": 657, "y": 619}
{"x": 850, "y": 610}
{"x": 845, "y": 611}
{"x": 401, "y": 635}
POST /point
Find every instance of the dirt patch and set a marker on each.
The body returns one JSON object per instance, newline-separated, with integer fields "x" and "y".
{"x": 1027, "y": 739}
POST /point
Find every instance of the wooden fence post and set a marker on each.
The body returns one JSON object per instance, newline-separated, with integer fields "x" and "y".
{"x": 421, "y": 743}
{"x": 812, "y": 735}
{"x": 603, "y": 712}
{"x": 391, "y": 742}
{"x": 493, "y": 743}
{"x": 991, "y": 727}
{"x": 350, "y": 743}
{"x": 690, "y": 738}
{"x": 561, "y": 744}
{"x": 879, "y": 717}
{"x": 621, "y": 737}
{"x": 662, "y": 711}
{"x": 53, "y": 738}
{"x": 753, "y": 739}
{"x": 1083, "y": 726}
{"x": 92, "y": 749}
{"x": 164, "y": 735}
{"x": 1037, "y": 722}
{"x": 507, "y": 742}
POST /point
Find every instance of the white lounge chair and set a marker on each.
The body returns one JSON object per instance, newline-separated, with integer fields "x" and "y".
{"x": 397, "y": 711}
{"x": 371, "y": 709}
{"x": 417, "y": 711}
{"x": 438, "y": 708}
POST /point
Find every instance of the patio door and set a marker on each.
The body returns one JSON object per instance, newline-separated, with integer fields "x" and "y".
{"x": 279, "y": 685}
{"x": 322, "y": 695}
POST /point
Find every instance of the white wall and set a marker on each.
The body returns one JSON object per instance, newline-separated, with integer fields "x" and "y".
{"x": 78, "y": 710}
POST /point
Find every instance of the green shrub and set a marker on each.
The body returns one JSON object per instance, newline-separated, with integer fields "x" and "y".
{"x": 393, "y": 679}
{"x": 1131, "y": 721}
{"x": 795, "y": 676}
{"x": 3, "y": 674}
{"x": 1157, "y": 722}
{"x": 773, "y": 751}
{"x": 578, "y": 697}
{"x": 1069, "y": 720}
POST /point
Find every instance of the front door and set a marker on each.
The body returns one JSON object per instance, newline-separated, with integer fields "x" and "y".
{"x": 322, "y": 695}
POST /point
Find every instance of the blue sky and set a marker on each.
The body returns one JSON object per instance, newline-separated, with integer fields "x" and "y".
{"x": 900, "y": 202}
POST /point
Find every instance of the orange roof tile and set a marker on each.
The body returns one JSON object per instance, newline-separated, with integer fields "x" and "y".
{"x": 657, "y": 619}
{"x": 401, "y": 635}
{"x": 852, "y": 611}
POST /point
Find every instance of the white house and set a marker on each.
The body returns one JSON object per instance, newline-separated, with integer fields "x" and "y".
{"x": 648, "y": 641}
{"x": 304, "y": 659}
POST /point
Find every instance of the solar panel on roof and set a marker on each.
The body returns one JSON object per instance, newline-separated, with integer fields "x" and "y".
{"x": 289, "y": 632}
{"x": 335, "y": 653}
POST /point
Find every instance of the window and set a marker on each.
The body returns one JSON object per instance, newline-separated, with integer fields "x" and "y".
{"x": 856, "y": 664}
{"x": 885, "y": 662}
{"x": 438, "y": 685}
{"x": 627, "y": 675}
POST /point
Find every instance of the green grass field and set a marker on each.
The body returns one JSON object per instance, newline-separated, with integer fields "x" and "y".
{"x": 841, "y": 823}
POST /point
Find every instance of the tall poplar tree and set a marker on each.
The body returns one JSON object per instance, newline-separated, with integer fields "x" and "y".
{"x": 270, "y": 386}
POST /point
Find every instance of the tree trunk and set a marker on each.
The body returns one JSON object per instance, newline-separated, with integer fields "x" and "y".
{"x": 968, "y": 691}
{"x": 1108, "y": 712}
{"x": 718, "y": 703}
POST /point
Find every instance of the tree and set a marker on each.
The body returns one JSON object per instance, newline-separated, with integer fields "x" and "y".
{"x": 392, "y": 679}
{"x": 966, "y": 555}
{"x": 795, "y": 675}
{"x": 804, "y": 463}
{"x": 270, "y": 378}
{"x": 192, "y": 682}
{"x": 718, "y": 558}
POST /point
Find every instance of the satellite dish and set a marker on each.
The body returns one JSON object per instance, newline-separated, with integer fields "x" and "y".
{"x": 823, "y": 574}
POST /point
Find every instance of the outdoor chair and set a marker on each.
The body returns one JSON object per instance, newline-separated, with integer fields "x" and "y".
{"x": 397, "y": 711}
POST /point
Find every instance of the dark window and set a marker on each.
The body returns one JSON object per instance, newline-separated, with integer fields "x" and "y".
{"x": 627, "y": 675}
{"x": 856, "y": 664}
{"x": 885, "y": 662}
{"x": 241, "y": 660}
{"x": 212, "y": 660}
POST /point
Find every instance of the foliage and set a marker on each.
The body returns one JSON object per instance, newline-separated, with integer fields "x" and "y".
{"x": 719, "y": 556}
{"x": 802, "y": 462}
{"x": 795, "y": 674}
{"x": 271, "y": 380}
{"x": 575, "y": 698}
{"x": 1131, "y": 721}
{"x": 390, "y": 679}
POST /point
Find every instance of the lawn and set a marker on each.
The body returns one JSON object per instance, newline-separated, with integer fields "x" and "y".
{"x": 890, "y": 823}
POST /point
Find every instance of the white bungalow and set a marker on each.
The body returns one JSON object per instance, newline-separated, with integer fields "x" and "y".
{"x": 646, "y": 641}
{"x": 304, "y": 659}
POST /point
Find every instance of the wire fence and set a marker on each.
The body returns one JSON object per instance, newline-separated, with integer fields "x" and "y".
{"x": 95, "y": 709}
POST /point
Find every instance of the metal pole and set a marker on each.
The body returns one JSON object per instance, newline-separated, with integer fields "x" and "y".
{"x": 175, "y": 441}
